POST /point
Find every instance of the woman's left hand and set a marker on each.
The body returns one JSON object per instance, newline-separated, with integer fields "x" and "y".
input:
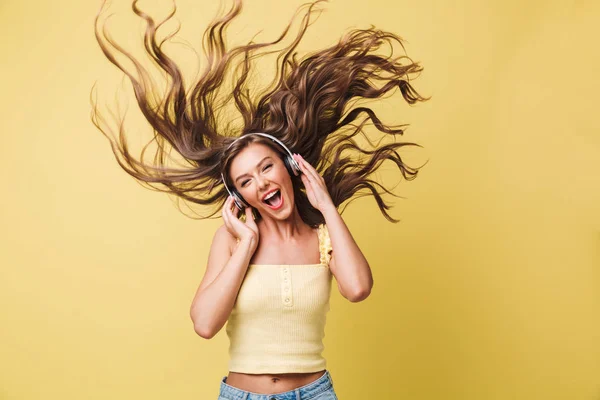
{"x": 316, "y": 190}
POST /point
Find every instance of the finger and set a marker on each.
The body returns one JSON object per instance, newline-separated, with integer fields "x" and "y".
{"x": 225, "y": 215}
{"x": 231, "y": 205}
{"x": 251, "y": 223}
{"x": 233, "y": 211}
{"x": 249, "y": 218}
{"x": 309, "y": 168}
{"x": 224, "y": 208}
{"x": 307, "y": 177}
{"x": 233, "y": 221}
{"x": 303, "y": 163}
{"x": 307, "y": 182}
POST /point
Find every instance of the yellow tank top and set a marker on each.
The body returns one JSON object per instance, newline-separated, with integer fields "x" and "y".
{"x": 277, "y": 323}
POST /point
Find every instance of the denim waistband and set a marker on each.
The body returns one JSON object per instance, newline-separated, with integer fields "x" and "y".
{"x": 305, "y": 392}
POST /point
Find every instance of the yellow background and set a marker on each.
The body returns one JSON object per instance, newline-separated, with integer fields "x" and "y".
{"x": 487, "y": 289}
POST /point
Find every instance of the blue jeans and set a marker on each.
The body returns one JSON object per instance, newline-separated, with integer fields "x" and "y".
{"x": 321, "y": 389}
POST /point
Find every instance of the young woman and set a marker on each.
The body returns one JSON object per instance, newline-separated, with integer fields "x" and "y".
{"x": 282, "y": 176}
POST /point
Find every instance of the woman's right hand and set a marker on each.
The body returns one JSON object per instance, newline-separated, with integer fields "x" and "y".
{"x": 243, "y": 231}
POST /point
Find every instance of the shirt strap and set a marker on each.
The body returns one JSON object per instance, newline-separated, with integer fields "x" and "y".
{"x": 324, "y": 244}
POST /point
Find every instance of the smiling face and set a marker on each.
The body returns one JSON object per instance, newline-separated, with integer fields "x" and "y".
{"x": 257, "y": 172}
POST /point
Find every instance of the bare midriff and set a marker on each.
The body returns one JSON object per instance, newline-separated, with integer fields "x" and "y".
{"x": 271, "y": 383}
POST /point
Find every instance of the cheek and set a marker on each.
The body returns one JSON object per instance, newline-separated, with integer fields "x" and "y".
{"x": 281, "y": 175}
{"x": 284, "y": 179}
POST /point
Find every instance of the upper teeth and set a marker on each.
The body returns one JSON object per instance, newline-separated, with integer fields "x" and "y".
{"x": 270, "y": 195}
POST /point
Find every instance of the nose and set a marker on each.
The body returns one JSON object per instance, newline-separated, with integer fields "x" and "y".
{"x": 263, "y": 183}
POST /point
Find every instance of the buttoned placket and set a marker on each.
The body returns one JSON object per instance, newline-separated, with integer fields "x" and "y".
{"x": 286, "y": 287}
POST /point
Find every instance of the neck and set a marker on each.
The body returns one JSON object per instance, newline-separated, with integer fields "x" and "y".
{"x": 282, "y": 230}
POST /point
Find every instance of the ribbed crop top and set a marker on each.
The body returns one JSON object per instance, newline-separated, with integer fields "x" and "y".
{"x": 277, "y": 323}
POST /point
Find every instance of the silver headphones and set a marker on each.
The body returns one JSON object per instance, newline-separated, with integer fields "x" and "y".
{"x": 290, "y": 164}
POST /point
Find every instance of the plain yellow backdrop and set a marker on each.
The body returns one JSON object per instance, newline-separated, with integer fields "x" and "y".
{"x": 489, "y": 288}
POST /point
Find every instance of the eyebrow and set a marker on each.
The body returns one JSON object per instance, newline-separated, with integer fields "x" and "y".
{"x": 257, "y": 165}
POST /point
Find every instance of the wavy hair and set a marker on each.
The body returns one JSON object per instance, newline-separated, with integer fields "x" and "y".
{"x": 310, "y": 105}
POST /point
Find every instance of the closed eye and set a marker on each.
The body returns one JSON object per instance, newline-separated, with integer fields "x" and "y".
{"x": 264, "y": 169}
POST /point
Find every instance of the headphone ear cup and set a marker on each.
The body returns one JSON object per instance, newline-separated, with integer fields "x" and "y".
{"x": 292, "y": 166}
{"x": 239, "y": 200}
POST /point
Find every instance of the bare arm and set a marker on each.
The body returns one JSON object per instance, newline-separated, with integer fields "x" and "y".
{"x": 221, "y": 283}
{"x": 350, "y": 267}
{"x": 225, "y": 271}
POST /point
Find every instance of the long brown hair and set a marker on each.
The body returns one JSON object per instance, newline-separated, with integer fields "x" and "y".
{"x": 309, "y": 105}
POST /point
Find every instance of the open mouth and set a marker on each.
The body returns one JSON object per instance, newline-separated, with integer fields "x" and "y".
{"x": 274, "y": 200}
